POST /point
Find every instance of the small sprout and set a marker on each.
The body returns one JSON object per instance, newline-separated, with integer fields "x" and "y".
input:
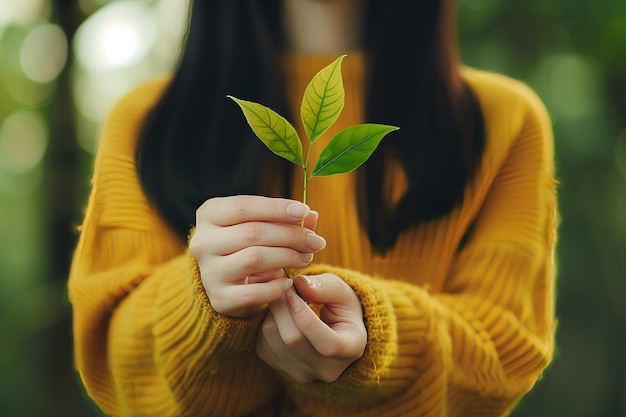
{"x": 322, "y": 104}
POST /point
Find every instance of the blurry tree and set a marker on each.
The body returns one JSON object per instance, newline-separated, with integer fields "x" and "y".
{"x": 65, "y": 189}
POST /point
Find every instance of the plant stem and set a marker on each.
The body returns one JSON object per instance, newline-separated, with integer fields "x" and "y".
{"x": 305, "y": 182}
{"x": 305, "y": 169}
{"x": 304, "y": 187}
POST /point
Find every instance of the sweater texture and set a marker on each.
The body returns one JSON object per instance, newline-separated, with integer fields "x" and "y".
{"x": 459, "y": 313}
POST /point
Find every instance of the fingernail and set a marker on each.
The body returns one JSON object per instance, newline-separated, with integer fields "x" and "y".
{"x": 306, "y": 257}
{"x": 315, "y": 242}
{"x": 306, "y": 280}
{"x": 298, "y": 210}
{"x": 286, "y": 284}
{"x": 317, "y": 216}
{"x": 295, "y": 303}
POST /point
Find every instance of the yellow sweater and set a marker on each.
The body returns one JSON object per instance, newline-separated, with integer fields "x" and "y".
{"x": 450, "y": 332}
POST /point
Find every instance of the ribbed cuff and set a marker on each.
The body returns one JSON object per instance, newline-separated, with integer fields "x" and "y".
{"x": 188, "y": 326}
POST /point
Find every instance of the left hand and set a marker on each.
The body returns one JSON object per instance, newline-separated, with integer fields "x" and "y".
{"x": 294, "y": 340}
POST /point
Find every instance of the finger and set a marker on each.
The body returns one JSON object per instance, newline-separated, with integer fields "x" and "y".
{"x": 260, "y": 263}
{"x": 230, "y": 239}
{"x": 263, "y": 349}
{"x": 244, "y": 300}
{"x": 275, "y": 353}
{"x": 266, "y": 276}
{"x": 256, "y": 259}
{"x": 227, "y": 211}
{"x": 301, "y": 331}
{"x": 289, "y": 344}
{"x": 327, "y": 289}
{"x": 324, "y": 340}
{"x": 341, "y": 316}
{"x": 292, "y": 338}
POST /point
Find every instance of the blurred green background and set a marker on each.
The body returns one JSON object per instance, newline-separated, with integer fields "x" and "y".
{"x": 64, "y": 63}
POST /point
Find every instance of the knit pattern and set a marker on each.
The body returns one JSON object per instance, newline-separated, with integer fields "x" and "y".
{"x": 453, "y": 329}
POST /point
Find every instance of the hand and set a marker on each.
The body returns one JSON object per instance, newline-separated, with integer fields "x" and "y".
{"x": 294, "y": 340}
{"x": 242, "y": 244}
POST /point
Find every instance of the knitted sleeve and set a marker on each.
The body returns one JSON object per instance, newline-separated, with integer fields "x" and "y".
{"x": 475, "y": 347}
{"x": 146, "y": 339}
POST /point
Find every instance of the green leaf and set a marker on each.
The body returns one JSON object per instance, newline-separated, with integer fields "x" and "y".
{"x": 273, "y": 129}
{"x": 350, "y": 148}
{"x": 323, "y": 100}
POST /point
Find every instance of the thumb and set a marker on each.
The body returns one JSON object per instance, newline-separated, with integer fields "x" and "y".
{"x": 341, "y": 309}
{"x": 326, "y": 289}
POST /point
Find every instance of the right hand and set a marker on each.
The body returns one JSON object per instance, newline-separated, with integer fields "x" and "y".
{"x": 242, "y": 243}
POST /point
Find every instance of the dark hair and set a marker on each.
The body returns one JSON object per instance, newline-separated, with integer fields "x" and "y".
{"x": 194, "y": 144}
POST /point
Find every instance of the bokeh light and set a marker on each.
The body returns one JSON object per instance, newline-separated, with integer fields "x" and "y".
{"x": 25, "y": 91}
{"x": 23, "y": 141}
{"x": 23, "y": 12}
{"x": 172, "y": 18}
{"x": 44, "y": 53}
{"x": 571, "y": 85}
{"x": 117, "y": 35}
{"x": 120, "y": 45}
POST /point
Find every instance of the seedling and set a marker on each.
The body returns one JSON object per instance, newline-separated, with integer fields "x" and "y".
{"x": 322, "y": 104}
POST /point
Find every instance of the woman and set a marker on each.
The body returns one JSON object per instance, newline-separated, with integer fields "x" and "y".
{"x": 426, "y": 286}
